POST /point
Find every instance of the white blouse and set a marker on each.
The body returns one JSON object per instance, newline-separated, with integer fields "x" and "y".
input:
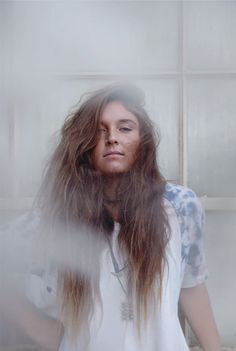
{"x": 112, "y": 326}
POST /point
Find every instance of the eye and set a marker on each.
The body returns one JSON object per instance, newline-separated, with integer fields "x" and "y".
{"x": 125, "y": 129}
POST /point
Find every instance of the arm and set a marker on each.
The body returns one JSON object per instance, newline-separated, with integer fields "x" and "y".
{"x": 42, "y": 329}
{"x": 19, "y": 256}
{"x": 196, "y": 307}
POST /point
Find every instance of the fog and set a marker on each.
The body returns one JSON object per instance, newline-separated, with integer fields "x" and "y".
{"x": 30, "y": 262}
{"x": 182, "y": 54}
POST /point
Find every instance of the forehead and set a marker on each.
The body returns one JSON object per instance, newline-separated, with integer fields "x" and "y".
{"x": 114, "y": 112}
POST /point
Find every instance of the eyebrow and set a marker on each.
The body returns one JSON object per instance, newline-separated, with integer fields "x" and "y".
{"x": 125, "y": 120}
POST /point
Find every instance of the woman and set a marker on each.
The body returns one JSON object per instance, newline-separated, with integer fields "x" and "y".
{"x": 142, "y": 237}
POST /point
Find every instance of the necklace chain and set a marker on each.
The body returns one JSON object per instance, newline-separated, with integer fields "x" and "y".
{"x": 126, "y": 306}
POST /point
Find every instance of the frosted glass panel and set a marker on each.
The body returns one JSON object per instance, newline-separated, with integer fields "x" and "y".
{"x": 210, "y": 35}
{"x": 220, "y": 251}
{"x": 62, "y": 97}
{"x": 5, "y": 161}
{"x": 211, "y": 111}
{"x": 38, "y": 120}
{"x": 93, "y": 36}
{"x": 162, "y": 104}
{"x": 28, "y": 150}
{"x": 162, "y": 97}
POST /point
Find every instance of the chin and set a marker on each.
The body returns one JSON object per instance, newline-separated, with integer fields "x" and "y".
{"x": 114, "y": 171}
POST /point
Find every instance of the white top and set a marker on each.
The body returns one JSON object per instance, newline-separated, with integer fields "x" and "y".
{"x": 162, "y": 332}
{"x": 186, "y": 268}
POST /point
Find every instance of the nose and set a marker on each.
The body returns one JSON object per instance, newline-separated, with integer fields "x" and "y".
{"x": 111, "y": 138}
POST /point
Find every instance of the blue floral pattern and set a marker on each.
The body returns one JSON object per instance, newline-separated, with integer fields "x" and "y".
{"x": 191, "y": 220}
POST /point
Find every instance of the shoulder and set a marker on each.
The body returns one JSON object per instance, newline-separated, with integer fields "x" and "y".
{"x": 179, "y": 195}
{"x": 185, "y": 203}
{"x": 191, "y": 219}
{"x": 188, "y": 208}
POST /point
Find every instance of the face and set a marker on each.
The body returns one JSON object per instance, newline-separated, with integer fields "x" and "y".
{"x": 118, "y": 140}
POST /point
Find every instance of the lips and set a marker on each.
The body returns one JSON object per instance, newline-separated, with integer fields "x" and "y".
{"x": 111, "y": 153}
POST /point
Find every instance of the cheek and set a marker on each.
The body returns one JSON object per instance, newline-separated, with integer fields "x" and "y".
{"x": 133, "y": 148}
{"x": 135, "y": 144}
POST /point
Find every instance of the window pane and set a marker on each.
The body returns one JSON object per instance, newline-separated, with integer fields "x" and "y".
{"x": 210, "y": 35}
{"x": 5, "y": 162}
{"x": 211, "y": 109}
{"x": 220, "y": 252}
{"x": 93, "y": 36}
{"x": 162, "y": 97}
{"x": 39, "y": 117}
{"x": 162, "y": 104}
{"x": 28, "y": 150}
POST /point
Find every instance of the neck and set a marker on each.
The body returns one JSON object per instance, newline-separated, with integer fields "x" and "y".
{"x": 110, "y": 189}
{"x": 111, "y": 198}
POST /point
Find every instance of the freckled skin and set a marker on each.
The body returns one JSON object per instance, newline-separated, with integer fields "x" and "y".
{"x": 118, "y": 140}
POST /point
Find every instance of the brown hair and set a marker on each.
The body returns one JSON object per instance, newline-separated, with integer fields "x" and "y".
{"x": 73, "y": 192}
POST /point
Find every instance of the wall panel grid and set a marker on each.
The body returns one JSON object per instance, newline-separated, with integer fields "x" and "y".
{"x": 183, "y": 55}
{"x": 187, "y": 66}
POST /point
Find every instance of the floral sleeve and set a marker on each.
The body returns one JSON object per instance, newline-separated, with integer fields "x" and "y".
{"x": 191, "y": 219}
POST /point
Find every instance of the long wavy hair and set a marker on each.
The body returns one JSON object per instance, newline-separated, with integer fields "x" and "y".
{"x": 73, "y": 194}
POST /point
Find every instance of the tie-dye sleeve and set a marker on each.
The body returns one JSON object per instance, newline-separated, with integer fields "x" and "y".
{"x": 191, "y": 219}
{"x": 194, "y": 268}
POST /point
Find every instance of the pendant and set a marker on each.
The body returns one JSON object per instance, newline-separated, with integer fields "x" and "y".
{"x": 126, "y": 311}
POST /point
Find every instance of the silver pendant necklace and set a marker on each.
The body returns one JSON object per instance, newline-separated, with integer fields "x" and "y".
{"x": 126, "y": 309}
